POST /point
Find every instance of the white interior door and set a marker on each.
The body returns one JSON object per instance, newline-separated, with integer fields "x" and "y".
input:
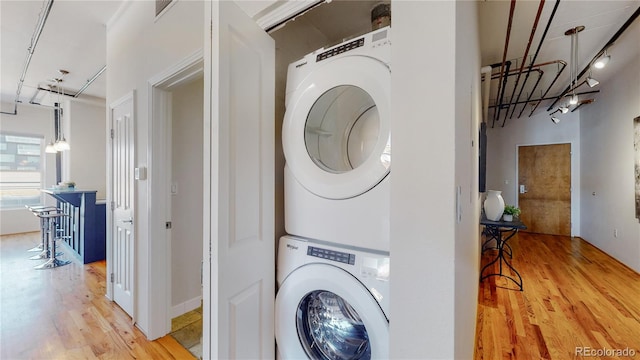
{"x": 242, "y": 253}
{"x": 122, "y": 147}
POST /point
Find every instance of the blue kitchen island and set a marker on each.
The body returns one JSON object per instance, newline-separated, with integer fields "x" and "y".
{"x": 84, "y": 228}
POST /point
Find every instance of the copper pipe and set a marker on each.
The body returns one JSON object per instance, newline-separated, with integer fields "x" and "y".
{"x": 535, "y": 56}
{"x": 526, "y": 53}
{"x": 548, "y": 98}
{"x": 504, "y": 57}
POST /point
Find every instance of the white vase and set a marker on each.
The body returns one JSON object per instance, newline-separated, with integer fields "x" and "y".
{"x": 507, "y": 217}
{"x": 493, "y": 205}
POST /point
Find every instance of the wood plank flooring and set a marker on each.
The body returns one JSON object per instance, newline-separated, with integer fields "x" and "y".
{"x": 575, "y": 296}
{"x": 63, "y": 313}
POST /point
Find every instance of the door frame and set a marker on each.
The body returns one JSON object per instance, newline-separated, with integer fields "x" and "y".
{"x": 109, "y": 221}
{"x": 575, "y": 181}
{"x": 159, "y": 192}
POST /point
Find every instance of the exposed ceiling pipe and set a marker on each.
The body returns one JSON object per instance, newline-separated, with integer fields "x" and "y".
{"x": 514, "y": 72}
{"x": 564, "y": 65}
{"x": 548, "y": 98}
{"x": 536, "y": 66}
{"x": 502, "y": 85}
{"x": 526, "y": 53}
{"x": 583, "y": 102}
{"x": 504, "y": 60}
{"x": 535, "y": 56}
{"x": 90, "y": 81}
{"x": 611, "y": 41}
{"x": 486, "y": 73}
{"x": 535, "y": 86}
{"x": 32, "y": 47}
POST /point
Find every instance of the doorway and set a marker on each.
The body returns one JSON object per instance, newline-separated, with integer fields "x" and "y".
{"x": 185, "y": 230}
{"x": 176, "y": 178}
{"x": 544, "y": 193}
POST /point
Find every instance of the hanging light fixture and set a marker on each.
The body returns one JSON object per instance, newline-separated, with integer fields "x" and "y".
{"x": 556, "y": 119}
{"x": 61, "y": 143}
{"x": 573, "y": 32}
{"x": 50, "y": 148}
{"x": 602, "y": 61}
{"x": 591, "y": 81}
{"x": 564, "y": 109}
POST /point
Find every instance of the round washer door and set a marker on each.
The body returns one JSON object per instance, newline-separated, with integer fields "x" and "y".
{"x": 336, "y": 130}
{"x": 323, "y": 312}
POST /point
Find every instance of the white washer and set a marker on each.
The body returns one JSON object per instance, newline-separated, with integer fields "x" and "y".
{"x": 332, "y": 301}
{"x": 337, "y": 143}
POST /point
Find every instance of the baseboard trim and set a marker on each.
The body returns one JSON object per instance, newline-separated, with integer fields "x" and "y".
{"x": 186, "y": 306}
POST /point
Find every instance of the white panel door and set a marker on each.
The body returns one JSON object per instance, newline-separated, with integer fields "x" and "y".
{"x": 122, "y": 147}
{"x": 242, "y": 285}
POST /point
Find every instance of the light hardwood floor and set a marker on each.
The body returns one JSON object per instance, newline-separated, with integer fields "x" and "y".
{"x": 62, "y": 313}
{"x": 575, "y": 296}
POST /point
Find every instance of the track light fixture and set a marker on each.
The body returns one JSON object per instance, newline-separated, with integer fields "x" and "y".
{"x": 602, "y": 61}
{"x": 564, "y": 109}
{"x": 592, "y": 82}
{"x": 555, "y": 119}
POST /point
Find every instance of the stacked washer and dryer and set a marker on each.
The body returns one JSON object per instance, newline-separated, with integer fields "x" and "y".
{"x": 333, "y": 268}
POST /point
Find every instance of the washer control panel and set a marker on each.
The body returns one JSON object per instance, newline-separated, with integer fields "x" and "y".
{"x": 340, "y": 49}
{"x": 332, "y": 255}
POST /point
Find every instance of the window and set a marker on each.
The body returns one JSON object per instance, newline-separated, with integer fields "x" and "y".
{"x": 21, "y": 170}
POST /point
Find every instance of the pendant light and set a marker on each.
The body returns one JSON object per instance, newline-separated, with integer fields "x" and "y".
{"x": 61, "y": 143}
{"x": 50, "y": 148}
{"x": 573, "y": 82}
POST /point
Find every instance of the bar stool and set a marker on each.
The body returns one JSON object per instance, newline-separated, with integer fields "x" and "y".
{"x": 53, "y": 262}
{"x": 35, "y": 210}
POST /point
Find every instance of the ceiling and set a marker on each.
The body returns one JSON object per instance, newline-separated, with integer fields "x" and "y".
{"x": 74, "y": 39}
{"x": 601, "y": 19}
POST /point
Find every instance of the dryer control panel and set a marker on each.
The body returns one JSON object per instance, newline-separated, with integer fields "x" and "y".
{"x": 332, "y": 255}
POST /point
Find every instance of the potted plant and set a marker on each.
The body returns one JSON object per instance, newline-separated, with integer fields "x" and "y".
{"x": 509, "y": 212}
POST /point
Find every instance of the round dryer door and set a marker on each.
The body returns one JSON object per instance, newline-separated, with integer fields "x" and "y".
{"x": 323, "y": 312}
{"x": 336, "y": 131}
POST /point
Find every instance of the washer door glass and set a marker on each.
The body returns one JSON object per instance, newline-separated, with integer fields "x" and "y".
{"x": 329, "y": 328}
{"x": 342, "y": 129}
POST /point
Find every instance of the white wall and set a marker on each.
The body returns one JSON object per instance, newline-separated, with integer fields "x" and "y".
{"x": 31, "y": 120}
{"x": 502, "y": 153}
{"x": 87, "y": 135}
{"x": 468, "y": 114}
{"x": 607, "y": 191}
{"x": 431, "y": 267}
{"x": 138, "y": 48}
{"x": 85, "y": 163}
{"x": 186, "y": 200}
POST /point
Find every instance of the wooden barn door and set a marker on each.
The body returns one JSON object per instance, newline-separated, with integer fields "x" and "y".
{"x": 544, "y": 196}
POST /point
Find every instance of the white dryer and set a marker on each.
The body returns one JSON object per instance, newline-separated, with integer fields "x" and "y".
{"x": 337, "y": 143}
{"x": 332, "y": 301}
